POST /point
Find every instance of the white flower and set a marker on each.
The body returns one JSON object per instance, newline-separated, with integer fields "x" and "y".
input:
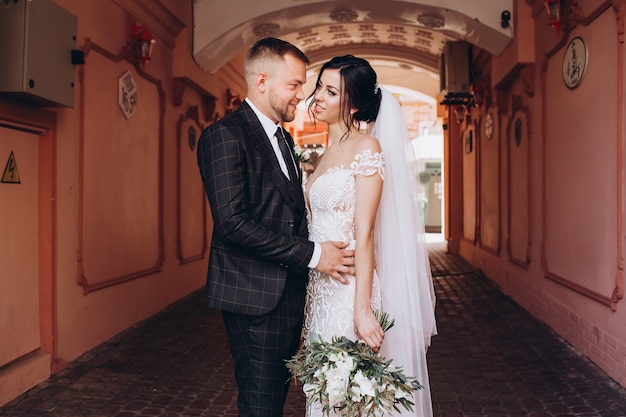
{"x": 310, "y": 389}
{"x": 342, "y": 360}
{"x": 354, "y": 392}
{"x": 336, "y": 385}
{"x": 334, "y": 357}
{"x": 365, "y": 384}
{"x": 302, "y": 155}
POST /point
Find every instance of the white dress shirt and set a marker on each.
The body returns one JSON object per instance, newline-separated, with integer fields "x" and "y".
{"x": 270, "y": 130}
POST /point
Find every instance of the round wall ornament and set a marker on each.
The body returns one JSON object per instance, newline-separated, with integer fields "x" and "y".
{"x": 575, "y": 62}
{"x": 489, "y": 125}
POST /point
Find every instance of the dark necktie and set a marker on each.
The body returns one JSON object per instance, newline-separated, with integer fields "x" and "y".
{"x": 287, "y": 155}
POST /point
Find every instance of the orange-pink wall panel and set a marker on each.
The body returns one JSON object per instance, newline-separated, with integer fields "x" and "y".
{"x": 121, "y": 187}
{"x": 581, "y": 173}
{"x": 19, "y": 245}
{"x": 490, "y": 180}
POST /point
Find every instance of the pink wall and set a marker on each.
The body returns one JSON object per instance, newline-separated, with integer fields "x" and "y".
{"x": 128, "y": 229}
{"x": 561, "y": 189}
{"x": 119, "y": 230}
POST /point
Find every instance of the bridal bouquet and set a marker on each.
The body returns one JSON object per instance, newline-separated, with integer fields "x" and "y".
{"x": 350, "y": 379}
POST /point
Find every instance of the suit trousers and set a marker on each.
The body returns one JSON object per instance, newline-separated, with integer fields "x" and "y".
{"x": 259, "y": 346}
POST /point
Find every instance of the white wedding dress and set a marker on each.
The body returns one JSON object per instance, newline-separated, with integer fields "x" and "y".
{"x": 331, "y": 203}
{"x": 402, "y": 284}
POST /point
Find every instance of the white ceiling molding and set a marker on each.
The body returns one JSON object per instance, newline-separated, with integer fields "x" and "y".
{"x": 224, "y": 29}
{"x": 409, "y": 34}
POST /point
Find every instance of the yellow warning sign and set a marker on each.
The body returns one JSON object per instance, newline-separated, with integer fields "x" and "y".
{"x": 11, "y": 175}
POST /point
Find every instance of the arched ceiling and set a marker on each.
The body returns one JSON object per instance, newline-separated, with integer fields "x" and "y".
{"x": 402, "y": 39}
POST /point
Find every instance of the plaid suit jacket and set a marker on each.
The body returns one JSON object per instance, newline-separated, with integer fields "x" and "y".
{"x": 260, "y": 232}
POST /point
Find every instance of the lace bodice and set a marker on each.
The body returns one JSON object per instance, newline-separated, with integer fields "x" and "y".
{"x": 331, "y": 198}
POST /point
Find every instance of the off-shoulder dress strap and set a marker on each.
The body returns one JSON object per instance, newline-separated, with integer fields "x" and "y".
{"x": 368, "y": 163}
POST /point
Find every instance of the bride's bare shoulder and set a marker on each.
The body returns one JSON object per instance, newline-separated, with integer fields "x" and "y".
{"x": 363, "y": 142}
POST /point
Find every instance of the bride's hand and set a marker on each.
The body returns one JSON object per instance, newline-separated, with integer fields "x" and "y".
{"x": 368, "y": 329}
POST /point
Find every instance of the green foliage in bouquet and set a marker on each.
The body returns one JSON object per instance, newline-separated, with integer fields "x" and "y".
{"x": 349, "y": 378}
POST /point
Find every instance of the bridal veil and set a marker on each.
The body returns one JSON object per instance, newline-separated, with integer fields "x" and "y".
{"x": 401, "y": 257}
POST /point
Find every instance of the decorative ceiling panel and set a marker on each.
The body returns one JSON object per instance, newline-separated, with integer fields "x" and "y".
{"x": 406, "y": 35}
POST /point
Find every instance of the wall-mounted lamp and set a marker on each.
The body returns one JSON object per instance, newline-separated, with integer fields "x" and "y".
{"x": 143, "y": 43}
{"x": 480, "y": 90}
{"x": 459, "y": 113}
{"x": 555, "y": 11}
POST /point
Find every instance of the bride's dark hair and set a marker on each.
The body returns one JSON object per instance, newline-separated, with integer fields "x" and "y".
{"x": 359, "y": 90}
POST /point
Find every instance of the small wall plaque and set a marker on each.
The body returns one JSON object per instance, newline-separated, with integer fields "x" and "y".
{"x": 575, "y": 62}
{"x": 127, "y": 94}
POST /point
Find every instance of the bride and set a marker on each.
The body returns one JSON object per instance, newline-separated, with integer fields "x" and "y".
{"x": 362, "y": 192}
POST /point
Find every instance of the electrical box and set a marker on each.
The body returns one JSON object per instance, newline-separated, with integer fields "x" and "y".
{"x": 454, "y": 71}
{"x": 36, "y": 52}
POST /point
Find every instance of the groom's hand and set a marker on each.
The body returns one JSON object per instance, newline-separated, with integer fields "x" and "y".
{"x": 335, "y": 260}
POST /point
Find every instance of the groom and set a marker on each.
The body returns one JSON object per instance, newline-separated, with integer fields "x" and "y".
{"x": 260, "y": 253}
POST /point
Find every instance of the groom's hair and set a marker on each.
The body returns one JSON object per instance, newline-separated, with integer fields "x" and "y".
{"x": 268, "y": 51}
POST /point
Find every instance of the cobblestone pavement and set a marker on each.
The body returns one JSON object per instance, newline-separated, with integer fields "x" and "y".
{"x": 491, "y": 358}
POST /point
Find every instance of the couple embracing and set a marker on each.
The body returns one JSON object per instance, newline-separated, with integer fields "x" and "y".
{"x": 288, "y": 260}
